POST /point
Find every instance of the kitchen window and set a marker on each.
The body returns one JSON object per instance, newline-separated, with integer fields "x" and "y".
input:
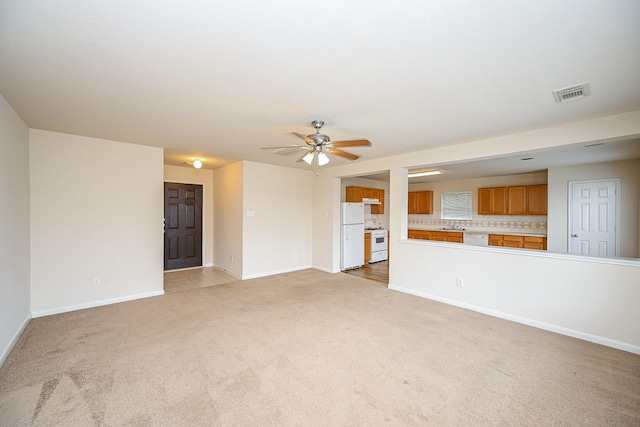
{"x": 456, "y": 205}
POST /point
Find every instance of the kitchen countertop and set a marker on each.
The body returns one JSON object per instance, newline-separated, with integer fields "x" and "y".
{"x": 485, "y": 231}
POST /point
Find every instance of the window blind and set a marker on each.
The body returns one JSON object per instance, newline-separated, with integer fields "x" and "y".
{"x": 456, "y": 205}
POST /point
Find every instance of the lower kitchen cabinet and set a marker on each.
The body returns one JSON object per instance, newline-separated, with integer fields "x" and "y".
{"x": 521, "y": 242}
{"x": 534, "y": 242}
{"x": 439, "y": 236}
{"x": 367, "y": 247}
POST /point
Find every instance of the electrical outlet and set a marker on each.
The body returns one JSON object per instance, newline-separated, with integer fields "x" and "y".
{"x": 96, "y": 281}
{"x": 460, "y": 282}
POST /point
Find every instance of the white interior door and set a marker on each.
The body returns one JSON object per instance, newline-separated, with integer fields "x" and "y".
{"x": 593, "y": 216}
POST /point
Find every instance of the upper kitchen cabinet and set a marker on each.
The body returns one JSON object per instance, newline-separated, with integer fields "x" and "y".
{"x": 537, "y": 199}
{"x": 357, "y": 194}
{"x": 354, "y": 194}
{"x": 492, "y": 201}
{"x": 378, "y": 209}
{"x": 517, "y": 200}
{"x": 420, "y": 202}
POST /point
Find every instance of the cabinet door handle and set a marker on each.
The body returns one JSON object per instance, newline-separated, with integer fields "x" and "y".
{"x": 574, "y": 235}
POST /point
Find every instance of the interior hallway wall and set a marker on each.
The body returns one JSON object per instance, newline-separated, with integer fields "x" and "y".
{"x": 96, "y": 212}
{"x": 277, "y": 213}
{"x": 227, "y": 193}
{"x": 14, "y": 228}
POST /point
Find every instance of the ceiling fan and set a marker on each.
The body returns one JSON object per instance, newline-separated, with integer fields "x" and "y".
{"x": 319, "y": 145}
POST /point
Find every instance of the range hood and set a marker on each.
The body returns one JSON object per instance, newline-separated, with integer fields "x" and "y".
{"x": 370, "y": 201}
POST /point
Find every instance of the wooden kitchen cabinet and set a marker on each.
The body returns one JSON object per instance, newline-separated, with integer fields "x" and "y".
{"x": 367, "y": 247}
{"x": 517, "y": 200}
{"x": 419, "y": 234}
{"x": 495, "y": 240}
{"x": 420, "y": 202}
{"x": 378, "y": 209}
{"x": 537, "y": 200}
{"x": 510, "y": 241}
{"x": 370, "y": 193}
{"x": 354, "y": 195}
{"x": 520, "y": 242}
{"x": 492, "y": 201}
{"x": 535, "y": 242}
{"x": 455, "y": 237}
{"x": 439, "y": 236}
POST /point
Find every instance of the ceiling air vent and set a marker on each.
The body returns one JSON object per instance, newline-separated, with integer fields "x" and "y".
{"x": 572, "y": 93}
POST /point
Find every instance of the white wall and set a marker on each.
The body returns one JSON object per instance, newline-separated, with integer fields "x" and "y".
{"x": 204, "y": 177}
{"x": 96, "y": 211}
{"x": 277, "y": 216}
{"x": 629, "y": 174}
{"x": 14, "y": 228}
{"x": 583, "y": 297}
{"x": 227, "y": 184}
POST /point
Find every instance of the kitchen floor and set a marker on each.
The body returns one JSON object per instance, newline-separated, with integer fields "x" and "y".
{"x": 200, "y": 277}
{"x": 378, "y": 271}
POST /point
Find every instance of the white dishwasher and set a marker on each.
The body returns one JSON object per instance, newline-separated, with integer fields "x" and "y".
{"x": 476, "y": 239}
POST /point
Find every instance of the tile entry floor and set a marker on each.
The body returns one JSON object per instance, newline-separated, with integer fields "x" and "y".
{"x": 199, "y": 277}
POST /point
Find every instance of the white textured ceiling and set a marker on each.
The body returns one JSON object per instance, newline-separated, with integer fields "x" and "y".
{"x": 220, "y": 79}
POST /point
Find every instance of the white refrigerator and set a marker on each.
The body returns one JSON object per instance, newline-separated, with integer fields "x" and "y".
{"x": 352, "y": 236}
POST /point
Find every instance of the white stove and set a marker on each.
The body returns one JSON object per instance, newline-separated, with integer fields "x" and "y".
{"x": 379, "y": 245}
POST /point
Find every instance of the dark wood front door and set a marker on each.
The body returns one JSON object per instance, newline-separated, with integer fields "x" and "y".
{"x": 182, "y": 225}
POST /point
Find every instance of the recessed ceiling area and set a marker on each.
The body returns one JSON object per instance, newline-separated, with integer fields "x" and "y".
{"x": 533, "y": 161}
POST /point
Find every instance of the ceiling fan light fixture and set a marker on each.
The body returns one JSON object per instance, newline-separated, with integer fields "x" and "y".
{"x": 308, "y": 158}
{"x": 323, "y": 159}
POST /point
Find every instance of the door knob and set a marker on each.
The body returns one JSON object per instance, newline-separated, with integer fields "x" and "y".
{"x": 574, "y": 235}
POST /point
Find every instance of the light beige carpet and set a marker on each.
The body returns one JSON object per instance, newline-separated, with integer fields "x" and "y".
{"x": 308, "y": 349}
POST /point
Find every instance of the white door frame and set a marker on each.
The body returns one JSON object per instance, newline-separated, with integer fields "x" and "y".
{"x": 616, "y": 182}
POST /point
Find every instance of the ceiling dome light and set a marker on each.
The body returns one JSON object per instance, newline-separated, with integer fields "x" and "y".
{"x": 197, "y": 163}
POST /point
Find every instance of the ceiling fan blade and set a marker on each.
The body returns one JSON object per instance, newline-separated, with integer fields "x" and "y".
{"x": 341, "y": 153}
{"x": 285, "y": 146}
{"x": 352, "y": 143}
{"x": 305, "y": 137}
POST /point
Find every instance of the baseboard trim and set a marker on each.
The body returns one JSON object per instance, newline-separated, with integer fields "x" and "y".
{"x": 217, "y": 267}
{"x": 273, "y": 273}
{"x": 326, "y": 270}
{"x": 50, "y": 312}
{"x": 14, "y": 340}
{"x": 631, "y": 348}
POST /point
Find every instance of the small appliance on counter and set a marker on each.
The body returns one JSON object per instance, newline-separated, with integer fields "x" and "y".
{"x": 351, "y": 236}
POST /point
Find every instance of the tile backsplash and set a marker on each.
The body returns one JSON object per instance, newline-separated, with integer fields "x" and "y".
{"x": 510, "y": 224}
